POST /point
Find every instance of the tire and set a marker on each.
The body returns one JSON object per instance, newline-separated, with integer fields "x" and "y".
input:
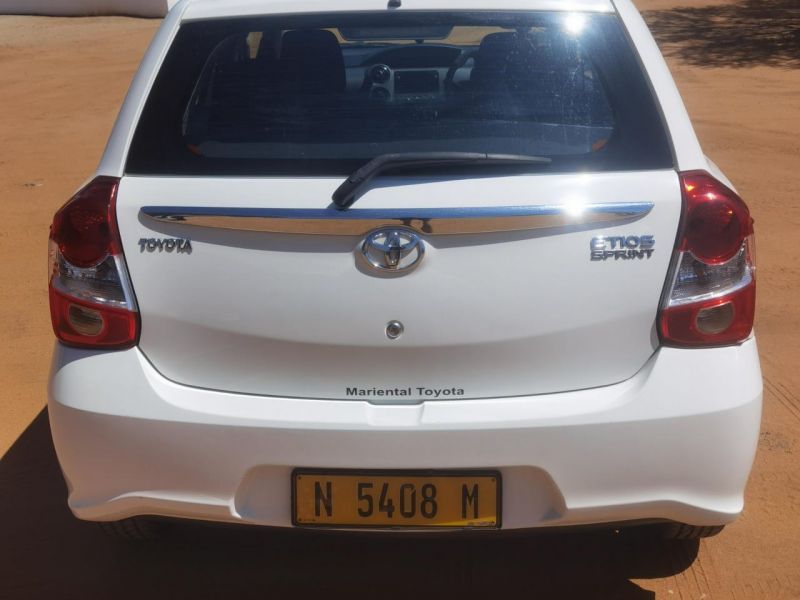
{"x": 681, "y": 531}
{"x": 134, "y": 529}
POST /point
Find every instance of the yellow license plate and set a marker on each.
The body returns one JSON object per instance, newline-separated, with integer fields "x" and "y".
{"x": 396, "y": 499}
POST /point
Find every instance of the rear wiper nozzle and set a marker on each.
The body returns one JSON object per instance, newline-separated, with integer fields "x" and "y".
{"x": 346, "y": 194}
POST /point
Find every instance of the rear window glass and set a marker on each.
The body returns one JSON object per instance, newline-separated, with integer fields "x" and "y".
{"x": 323, "y": 94}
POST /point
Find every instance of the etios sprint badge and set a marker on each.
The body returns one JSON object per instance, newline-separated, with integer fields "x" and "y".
{"x": 622, "y": 247}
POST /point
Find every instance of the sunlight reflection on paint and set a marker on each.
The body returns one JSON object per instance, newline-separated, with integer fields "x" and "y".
{"x": 575, "y": 207}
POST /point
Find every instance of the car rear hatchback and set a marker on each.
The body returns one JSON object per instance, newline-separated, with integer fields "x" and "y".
{"x": 421, "y": 266}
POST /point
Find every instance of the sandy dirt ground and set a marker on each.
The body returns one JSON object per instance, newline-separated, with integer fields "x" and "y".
{"x": 61, "y": 83}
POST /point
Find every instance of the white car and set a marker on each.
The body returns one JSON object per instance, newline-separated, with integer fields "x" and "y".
{"x": 421, "y": 265}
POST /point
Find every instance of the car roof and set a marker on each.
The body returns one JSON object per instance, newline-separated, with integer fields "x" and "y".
{"x": 211, "y": 9}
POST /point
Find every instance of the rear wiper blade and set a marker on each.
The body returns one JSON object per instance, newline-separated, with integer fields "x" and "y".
{"x": 346, "y": 194}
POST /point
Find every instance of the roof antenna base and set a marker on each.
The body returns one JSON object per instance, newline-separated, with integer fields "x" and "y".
{"x": 395, "y": 3}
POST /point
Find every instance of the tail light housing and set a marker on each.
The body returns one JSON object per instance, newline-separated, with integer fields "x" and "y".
{"x": 710, "y": 299}
{"x": 91, "y": 301}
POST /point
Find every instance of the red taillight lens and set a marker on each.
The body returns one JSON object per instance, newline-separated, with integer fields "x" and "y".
{"x": 719, "y": 321}
{"x": 87, "y": 325}
{"x": 83, "y": 227}
{"x": 91, "y": 301}
{"x": 711, "y": 298}
{"x": 717, "y": 220}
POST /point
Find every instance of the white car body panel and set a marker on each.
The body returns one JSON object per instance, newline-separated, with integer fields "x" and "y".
{"x": 675, "y": 447}
{"x": 211, "y": 9}
{"x": 585, "y": 416}
{"x": 289, "y": 303}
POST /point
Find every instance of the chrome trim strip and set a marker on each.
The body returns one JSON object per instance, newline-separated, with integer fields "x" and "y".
{"x": 432, "y": 221}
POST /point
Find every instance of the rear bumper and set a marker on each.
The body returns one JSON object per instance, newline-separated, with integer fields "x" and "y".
{"x": 674, "y": 442}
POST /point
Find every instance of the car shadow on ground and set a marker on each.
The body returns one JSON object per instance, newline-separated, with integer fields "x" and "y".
{"x": 46, "y": 553}
{"x": 746, "y": 33}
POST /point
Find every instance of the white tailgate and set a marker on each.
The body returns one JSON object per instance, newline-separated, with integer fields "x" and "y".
{"x": 485, "y": 315}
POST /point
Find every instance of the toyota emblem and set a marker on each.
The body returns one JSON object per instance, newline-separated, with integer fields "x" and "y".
{"x": 392, "y": 251}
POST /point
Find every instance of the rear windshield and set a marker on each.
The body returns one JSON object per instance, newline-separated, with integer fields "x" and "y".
{"x": 323, "y": 94}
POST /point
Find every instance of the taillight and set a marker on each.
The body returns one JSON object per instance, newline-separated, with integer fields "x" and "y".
{"x": 711, "y": 298}
{"x": 91, "y": 300}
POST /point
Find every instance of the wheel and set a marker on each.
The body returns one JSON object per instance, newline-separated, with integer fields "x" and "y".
{"x": 133, "y": 529}
{"x": 681, "y": 531}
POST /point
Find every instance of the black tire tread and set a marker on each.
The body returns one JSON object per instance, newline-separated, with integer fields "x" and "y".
{"x": 682, "y": 531}
{"x": 133, "y": 529}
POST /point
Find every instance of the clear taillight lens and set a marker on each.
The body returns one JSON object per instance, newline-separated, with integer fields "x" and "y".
{"x": 711, "y": 298}
{"x": 91, "y": 300}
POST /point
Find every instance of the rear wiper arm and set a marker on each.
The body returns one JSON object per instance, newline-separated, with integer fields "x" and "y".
{"x": 346, "y": 193}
